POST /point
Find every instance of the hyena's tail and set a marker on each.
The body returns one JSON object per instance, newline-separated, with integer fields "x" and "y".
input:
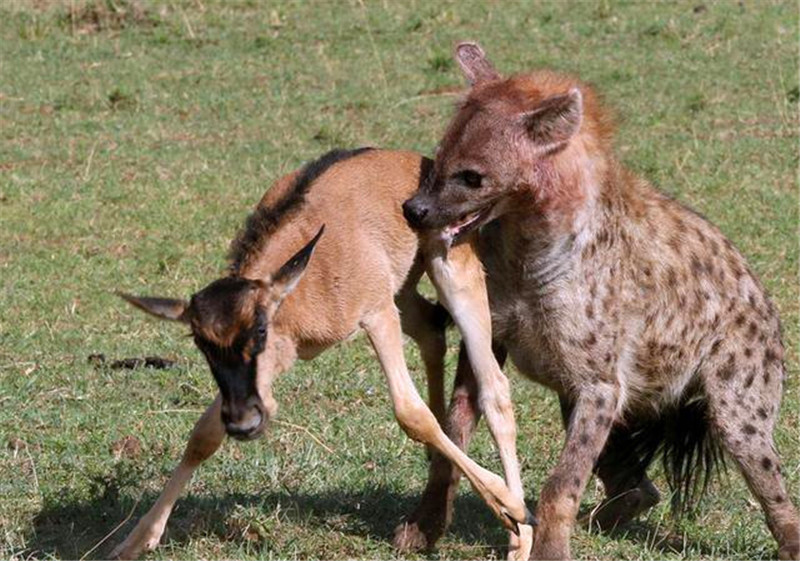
{"x": 690, "y": 454}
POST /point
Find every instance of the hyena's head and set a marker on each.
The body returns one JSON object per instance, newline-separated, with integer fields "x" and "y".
{"x": 499, "y": 148}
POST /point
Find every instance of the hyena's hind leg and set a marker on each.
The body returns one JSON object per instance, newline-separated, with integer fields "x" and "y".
{"x": 744, "y": 386}
{"x": 629, "y": 491}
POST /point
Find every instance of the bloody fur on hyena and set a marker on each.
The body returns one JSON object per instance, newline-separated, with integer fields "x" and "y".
{"x": 636, "y": 310}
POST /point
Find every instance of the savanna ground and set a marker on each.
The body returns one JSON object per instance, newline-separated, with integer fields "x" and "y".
{"x": 135, "y": 138}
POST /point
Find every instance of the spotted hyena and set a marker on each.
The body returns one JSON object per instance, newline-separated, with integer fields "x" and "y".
{"x": 641, "y": 315}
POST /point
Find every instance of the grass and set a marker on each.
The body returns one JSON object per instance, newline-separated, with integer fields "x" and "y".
{"x": 134, "y": 138}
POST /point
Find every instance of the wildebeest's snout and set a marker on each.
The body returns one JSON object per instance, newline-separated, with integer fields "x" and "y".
{"x": 244, "y": 421}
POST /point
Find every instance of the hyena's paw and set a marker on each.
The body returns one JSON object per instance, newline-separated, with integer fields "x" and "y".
{"x": 409, "y": 537}
{"x": 790, "y": 542}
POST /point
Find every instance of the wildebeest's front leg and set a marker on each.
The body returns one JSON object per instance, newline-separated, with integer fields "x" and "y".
{"x": 587, "y": 432}
{"x": 206, "y": 437}
{"x": 460, "y": 283}
{"x": 416, "y": 419}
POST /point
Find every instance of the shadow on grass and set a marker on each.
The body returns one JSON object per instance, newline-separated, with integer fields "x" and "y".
{"x": 661, "y": 539}
{"x": 68, "y": 529}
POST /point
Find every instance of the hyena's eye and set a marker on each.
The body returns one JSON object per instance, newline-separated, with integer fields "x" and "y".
{"x": 470, "y": 178}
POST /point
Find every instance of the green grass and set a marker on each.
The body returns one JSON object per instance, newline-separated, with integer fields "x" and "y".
{"x": 132, "y": 147}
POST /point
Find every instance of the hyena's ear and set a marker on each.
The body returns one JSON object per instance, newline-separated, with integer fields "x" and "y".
{"x": 164, "y": 308}
{"x": 474, "y": 64}
{"x": 287, "y": 277}
{"x": 554, "y": 121}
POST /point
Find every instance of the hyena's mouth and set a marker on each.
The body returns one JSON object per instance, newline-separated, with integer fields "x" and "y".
{"x": 467, "y": 223}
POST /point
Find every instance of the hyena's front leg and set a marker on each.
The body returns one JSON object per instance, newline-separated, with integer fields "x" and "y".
{"x": 206, "y": 437}
{"x": 629, "y": 491}
{"x": 587, "y": 431}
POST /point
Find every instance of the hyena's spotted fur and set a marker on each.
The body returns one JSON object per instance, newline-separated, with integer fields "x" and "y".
{"x": 643, "y": 317}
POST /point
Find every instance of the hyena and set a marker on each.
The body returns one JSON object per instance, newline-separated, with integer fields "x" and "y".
{"x": 637, "y": 311}
{"x": 278, "y": 304}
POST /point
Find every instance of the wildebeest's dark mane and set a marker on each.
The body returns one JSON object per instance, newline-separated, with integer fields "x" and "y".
{"x": 265, "y": 220}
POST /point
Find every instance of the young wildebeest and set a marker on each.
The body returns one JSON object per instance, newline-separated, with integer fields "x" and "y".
{"x": 640, "y": 313}
{"x": 253, "y": 324}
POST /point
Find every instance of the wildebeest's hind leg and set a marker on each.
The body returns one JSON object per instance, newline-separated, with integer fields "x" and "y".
{"x": 417, "y": 420}
{"x": 425, "y": 323}
{"x": 206, "y": 437}
{"x": 432, "y": 516}
{"x": 622, "y": 467}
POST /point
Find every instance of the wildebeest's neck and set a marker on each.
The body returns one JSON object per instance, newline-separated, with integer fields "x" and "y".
{"x": 275, "y": 208}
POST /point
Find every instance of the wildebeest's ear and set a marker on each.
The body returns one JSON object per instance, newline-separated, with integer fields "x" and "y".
{"x": 287, "y": 277}
{"x": 474, "y": 64}
{"x": 164, "y": 308}
{"x": 555, "y": 120}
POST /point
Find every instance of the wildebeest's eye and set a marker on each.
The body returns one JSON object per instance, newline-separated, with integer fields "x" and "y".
{"x": 262, "y": 330}
{"x": 470, "y": 178}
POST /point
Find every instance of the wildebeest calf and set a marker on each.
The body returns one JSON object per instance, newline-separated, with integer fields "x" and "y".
{"x": 278, "y": 304}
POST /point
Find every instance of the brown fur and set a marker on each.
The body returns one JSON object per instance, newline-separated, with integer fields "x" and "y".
{"x": 635, "y": 309}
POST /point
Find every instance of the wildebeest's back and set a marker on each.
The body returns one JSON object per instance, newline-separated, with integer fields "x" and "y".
{"x": 365, "y": 253}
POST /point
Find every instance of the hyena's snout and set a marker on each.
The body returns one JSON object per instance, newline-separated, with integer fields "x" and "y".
{"x": 415, "y": 210}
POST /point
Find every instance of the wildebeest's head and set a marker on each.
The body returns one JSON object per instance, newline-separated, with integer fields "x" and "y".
{"x": 230, "y": 320}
